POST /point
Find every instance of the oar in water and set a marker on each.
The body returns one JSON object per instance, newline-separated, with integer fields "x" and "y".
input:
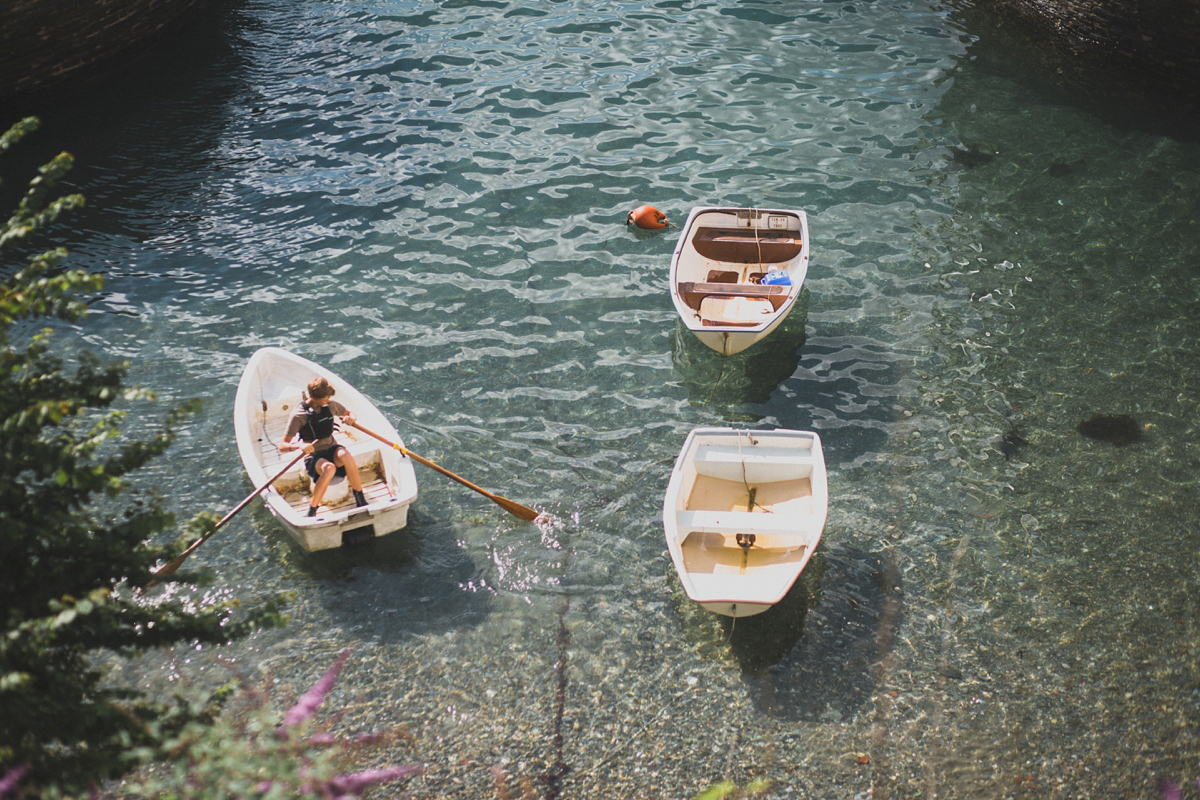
{"x": 174, "y": 564}
{"x": 514, "y": 508}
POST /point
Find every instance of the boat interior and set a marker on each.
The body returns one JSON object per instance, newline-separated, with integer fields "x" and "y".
{"x": 746, "y": 509}
{"x": 296, "y": 485}
{"x": 721, "y": 283}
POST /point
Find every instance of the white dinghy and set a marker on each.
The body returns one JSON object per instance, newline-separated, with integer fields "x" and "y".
{"x": 737, "y": 272}
{"x": 743, "y": 513}
{"x": 273, "y": 383}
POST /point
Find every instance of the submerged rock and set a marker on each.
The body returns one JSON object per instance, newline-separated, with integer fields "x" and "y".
{"x": 968, "y": 157}
{"x": 1009, "y": 443}
{"x": 1117, "y": 429}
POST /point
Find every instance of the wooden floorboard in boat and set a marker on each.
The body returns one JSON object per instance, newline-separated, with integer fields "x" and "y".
{"x": 375, "y": 487}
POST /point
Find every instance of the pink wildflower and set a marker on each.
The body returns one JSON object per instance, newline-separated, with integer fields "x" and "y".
{"x": 350, "y": 785}
{"x": 313, "y": 697}
{"x": 12, "y": 778}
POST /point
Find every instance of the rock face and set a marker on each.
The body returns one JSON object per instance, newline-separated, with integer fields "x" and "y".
{"x": 1138, "y": 48}
{"x": 45, "y": 43}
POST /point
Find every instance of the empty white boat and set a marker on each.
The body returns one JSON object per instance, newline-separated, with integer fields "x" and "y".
{"x": 272, "y": 384}
{"x": 737, "y": 272}
{"x": 743, "y": 513}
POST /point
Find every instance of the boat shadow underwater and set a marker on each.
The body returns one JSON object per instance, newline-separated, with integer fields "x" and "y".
{"x": 846, "y": 601}
{"x": 831, "y": 674}
{"x": 416, "y": 580}
{"x": 748, "y": 377}
{"x": 760, "y": 641}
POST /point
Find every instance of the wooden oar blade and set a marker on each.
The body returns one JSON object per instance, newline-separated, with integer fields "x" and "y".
{"x": 170, "y": 567}
{"x": 516, "y": 509}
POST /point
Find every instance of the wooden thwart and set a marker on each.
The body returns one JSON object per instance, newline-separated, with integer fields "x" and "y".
{"x": 746, "y": 246}
{"x": 694, "y": 292}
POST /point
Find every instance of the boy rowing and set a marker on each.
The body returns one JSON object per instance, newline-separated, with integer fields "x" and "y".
{"x": 313, "y": 422}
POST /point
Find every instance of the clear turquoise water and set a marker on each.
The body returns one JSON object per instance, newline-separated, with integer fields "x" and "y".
{"x": 431, "y": 200}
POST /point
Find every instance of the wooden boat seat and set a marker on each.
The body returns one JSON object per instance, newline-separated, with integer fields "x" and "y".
{"x": 771, "y": 531}
{"x": 733, "y": 303}
{"x": 366, "y": 455}
{"x": 737, "y": 522}
{"x": 370, "y": 468}
{"x": 746, "y": 246}
{"x": 742, "y": 311}
{"x": 693, "y": 291}
{"x": 753, "y": 465}
{"x": 369, "y": 462}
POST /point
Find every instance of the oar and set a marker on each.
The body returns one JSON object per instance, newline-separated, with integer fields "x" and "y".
{"x": 175, "y": 563}
{"x": 514, "y": 508}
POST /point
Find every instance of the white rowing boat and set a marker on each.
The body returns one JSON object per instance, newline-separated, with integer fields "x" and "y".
{"x": 272, "y": 384}
{"x": 743, "y": 513}
{"x": 737, "y": 272}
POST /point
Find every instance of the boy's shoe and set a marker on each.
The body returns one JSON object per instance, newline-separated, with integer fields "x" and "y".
{"x": 359, "y": 498}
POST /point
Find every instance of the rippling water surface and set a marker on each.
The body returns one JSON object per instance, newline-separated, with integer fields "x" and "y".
{"x": 430, "y": 198}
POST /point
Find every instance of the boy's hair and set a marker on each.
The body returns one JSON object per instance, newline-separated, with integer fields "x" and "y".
{"x": 319, "y": 387}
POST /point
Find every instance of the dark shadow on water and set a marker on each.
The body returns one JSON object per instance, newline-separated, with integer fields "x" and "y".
{"x": 1144, "y": 93}
{"x": 763, "y": 640}
{"x": 750, "y": 376}
{"x": 413, "y": 581}
{"x": 814, "y": 656}
{"x": 829, "y": 672}
{"x": 143, "y": 130}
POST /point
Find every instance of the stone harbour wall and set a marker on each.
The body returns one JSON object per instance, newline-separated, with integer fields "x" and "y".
{"x": 46, "y": 43}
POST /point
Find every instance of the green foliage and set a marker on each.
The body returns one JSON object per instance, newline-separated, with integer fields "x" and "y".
{"x": 78, "y": 545}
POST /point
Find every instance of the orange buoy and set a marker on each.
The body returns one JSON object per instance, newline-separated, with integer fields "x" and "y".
{"x": 646, "y": 217}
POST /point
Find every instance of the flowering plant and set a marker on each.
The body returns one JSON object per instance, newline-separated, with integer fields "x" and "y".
{"x": 252, "y": 754}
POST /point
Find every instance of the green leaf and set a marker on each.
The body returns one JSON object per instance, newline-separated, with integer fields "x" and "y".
{"x": 717, "y": 792}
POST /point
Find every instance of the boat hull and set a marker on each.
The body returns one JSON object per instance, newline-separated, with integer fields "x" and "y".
{"x": 729, "y": 343}
{"x": 724, "y": 270}
{"x": 743, "y": 513}
{"x": 270, "y": 387}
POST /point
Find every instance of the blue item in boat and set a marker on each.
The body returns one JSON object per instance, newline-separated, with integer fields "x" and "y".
{"x": 777, "y": 278}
